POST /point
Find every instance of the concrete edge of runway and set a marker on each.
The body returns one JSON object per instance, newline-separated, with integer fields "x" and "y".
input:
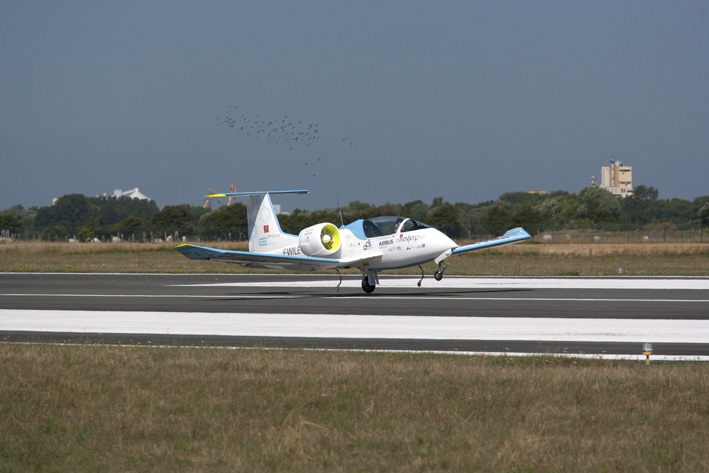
{"x": 670, "y": 340}
{"x": 325, "y": 274}
{"x": 600, "y": 350}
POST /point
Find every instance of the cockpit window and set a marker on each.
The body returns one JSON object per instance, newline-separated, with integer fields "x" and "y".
{"x": 407, "y": 225}
{"x": 410, "y": 225}
{"x": 381, "y": 226}
{"x": 371, "y": 229}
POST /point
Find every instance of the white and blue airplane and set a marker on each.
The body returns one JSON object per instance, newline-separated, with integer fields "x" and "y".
{"x": 371, "y": 244}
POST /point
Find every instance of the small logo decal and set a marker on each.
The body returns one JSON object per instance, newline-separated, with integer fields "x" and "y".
{"x": 265, "y": 229}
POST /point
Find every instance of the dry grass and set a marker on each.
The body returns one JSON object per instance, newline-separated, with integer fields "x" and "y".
{"x": 590, "y": 259}
{"x": 96, "y": 408}
{"x": 99, "y": 257}
{"x": 526, "y": 259}
{"x": 582, "y": 259}
{"x": 608, "y": 249}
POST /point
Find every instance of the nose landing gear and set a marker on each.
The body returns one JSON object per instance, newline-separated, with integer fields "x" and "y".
{"x": 438, "y": 275}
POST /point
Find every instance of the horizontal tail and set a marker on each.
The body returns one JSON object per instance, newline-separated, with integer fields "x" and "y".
{"x": 231, "y": 194}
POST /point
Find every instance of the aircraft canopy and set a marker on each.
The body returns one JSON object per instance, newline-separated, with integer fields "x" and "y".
{"x": 382, "y": 226}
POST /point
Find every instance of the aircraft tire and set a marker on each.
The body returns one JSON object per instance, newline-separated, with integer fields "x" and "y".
{"x": 366, "y": 287}
{"x": 438, "y": 275}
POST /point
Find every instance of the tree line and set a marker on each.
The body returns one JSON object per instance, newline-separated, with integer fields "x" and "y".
{"x": 75, "y": 216}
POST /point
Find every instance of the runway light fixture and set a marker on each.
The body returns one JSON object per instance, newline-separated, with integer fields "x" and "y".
{"x": 647, "y": 351}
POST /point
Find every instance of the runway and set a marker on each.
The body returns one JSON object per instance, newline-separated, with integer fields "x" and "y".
{"x": 596, "y": 316}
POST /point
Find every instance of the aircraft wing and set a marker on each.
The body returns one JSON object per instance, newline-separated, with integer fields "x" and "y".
{"x": 512, "y": 236}
{"x": 258, "y": 260}
{"x": 272, "y": 261}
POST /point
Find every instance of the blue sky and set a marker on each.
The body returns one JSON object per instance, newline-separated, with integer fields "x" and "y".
{"x": 410, "y": 100}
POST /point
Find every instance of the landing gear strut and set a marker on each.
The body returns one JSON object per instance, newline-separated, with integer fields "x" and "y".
{"x": 438, "y": 275}
{"x": 339, "y": 283}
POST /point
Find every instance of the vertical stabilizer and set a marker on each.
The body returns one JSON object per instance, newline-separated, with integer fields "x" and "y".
{"x": 265, "y": 233}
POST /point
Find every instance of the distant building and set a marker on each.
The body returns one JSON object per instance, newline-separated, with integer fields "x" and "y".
{"x": 133, "y": 194}
{"x": 616, "y": 179}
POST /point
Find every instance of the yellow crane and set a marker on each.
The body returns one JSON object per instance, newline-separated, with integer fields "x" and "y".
{"x": 212, "y": 192}
{"x": 206, "y": 202}
{"x": 233, "y": 189}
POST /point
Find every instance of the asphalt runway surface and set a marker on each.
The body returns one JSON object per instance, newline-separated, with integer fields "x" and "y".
{"x": 594, "y": 316}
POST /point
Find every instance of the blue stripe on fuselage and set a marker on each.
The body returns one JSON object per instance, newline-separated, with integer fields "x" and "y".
{"x": 356, "y": 228}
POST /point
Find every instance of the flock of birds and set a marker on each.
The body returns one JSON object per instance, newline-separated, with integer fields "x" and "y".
{"x": 282, "y": 131}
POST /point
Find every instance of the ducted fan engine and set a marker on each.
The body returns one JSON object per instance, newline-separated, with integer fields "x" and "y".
{"x": 321, "y": 240}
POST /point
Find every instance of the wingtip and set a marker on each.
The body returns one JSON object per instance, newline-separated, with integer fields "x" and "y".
{"x": 518, "y": 231}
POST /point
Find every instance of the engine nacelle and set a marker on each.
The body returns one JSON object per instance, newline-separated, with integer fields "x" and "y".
{"x": 321, "y": 240}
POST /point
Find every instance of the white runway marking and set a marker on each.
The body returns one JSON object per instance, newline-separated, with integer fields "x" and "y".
{"x": 357, "y": 326}
{"x": 490, "y": 283}
{"x": 375, "y": 298}
{"x": 390, "y": 327}
{"x": 159, "y": 296}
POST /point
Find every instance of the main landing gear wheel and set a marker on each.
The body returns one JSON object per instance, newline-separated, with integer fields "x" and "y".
{"x": 369, "y": 280}
{"x": 366, "y": 287}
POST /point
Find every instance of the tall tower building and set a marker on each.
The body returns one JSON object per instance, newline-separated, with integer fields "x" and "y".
{"x": 617, "y": 179}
